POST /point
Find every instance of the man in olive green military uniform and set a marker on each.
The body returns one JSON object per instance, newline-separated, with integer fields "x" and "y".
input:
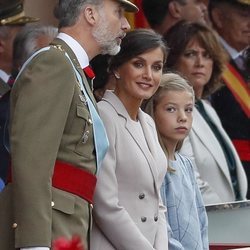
{"x": 56, "y": 136}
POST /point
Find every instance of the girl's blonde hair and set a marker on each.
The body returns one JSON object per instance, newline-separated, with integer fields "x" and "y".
{"x": 169, "y": 82}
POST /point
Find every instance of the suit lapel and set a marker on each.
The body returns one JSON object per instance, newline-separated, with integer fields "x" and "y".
{"x": 147, "y": 149}
{"x": 202, "y": 130}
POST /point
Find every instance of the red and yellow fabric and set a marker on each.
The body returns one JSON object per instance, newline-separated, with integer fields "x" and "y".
{"x": 238, "y": 87}
{"x": 137, "y": 20}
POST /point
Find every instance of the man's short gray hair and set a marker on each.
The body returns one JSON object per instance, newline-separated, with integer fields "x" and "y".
{"x": 26, "y": 42}
{"x": 67, "y": 11}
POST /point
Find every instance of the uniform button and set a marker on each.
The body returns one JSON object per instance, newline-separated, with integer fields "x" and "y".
{"x": 141, "y": 196}
{"x": 52, "y": 203}
{"x": 143, "y": 219}
{"x": 14, "y": 225}
{"x": 156, "y": 218}
{"x": 90, "y": 121}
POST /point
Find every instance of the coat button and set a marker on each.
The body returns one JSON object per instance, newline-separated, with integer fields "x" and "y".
{"x": 141, "y": 196}
{"x": 143, "y": 219}
{"x": 156, "y": 218}
{"x": 52, "y": 203}
{"x": 14, "y": 225}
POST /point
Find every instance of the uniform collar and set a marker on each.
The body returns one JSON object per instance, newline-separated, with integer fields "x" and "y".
{"x": 78, "y": 50}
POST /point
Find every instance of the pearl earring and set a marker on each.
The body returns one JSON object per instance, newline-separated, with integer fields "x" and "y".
{"x": 117, "y": 75}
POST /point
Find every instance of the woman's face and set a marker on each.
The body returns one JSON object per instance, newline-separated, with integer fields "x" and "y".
{"x": 139, "y": 78}
{"x": 196, "y": 65}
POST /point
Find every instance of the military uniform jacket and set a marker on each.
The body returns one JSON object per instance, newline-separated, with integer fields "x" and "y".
{"x": 231, "y": 114}
{"x": 49, "y": 117}
{"x": 128, "y": 211}
{"x": 233, "y": 118}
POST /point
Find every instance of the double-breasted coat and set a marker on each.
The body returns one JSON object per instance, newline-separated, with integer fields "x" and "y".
{"x": 128, "y": 212}
{"x": 49, "y": 117}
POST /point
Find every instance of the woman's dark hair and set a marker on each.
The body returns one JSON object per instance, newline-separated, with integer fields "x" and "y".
{"x": 100, "y": 66}
{"x": 178, "y": 38}
{"x": 135, "y": 43}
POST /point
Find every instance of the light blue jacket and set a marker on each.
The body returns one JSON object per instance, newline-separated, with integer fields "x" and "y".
{"x": 186, "y": 214}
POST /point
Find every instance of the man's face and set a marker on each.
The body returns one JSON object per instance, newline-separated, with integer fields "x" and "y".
{"x": 233, "y": 25}
{"x": 111, "y": 28}
{"x": 193, "y": 10}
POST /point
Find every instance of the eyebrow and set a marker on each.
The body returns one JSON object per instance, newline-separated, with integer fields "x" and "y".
{"x": 143, "y": 59}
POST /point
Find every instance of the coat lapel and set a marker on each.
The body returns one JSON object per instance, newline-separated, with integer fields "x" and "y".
{"x": 201, "y": 129}
{"x": 147, "y": 148}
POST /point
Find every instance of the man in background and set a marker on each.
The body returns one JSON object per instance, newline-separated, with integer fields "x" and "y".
{"x": 231, "y": 20}
{"x": 30, "y": 39}
{"x": 12, "y": 19}
{"x": 163, "y": 14}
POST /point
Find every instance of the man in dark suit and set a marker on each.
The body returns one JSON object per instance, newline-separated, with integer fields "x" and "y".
{"x": 57, "y": 138}
{"x": 231, "y": 20}
{"x": 12, "y": 19}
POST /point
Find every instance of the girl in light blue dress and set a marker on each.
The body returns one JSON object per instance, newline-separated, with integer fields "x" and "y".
{"x": 171, "y": 107}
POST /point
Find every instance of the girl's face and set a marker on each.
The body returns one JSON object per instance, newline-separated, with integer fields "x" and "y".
{"x": 196, "y": 65}
{"x": 173, "y": 115}
{"x": 140, "y": 76}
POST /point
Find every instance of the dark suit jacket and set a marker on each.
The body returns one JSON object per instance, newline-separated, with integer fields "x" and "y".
{"x": 48, "y": 121}
{"x": 4, "y": 87}
{"x": 4, "y": 135}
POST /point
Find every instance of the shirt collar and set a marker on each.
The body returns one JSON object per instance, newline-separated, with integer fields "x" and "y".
{"x": 4, "y": 76}
{"x": 231, "y": 51}
{"x": 78, "y": 50}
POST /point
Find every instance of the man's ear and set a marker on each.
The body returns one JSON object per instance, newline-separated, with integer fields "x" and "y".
{"x": 117, "y": 75}
{"x": 91, "y": 14}
{"x": 174, "y": 9}
{"x": 216, "y": 16}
